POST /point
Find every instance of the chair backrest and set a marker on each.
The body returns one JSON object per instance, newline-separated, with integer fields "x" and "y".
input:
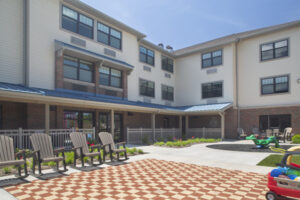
{"x": 269, "y": 132}
{"x": 276, "y": 131}
{"x": 7, "y": 151}
{"x": 79, "y": 140}
{"x": 240, "y": 131}
{"x": 287, "y": 130}
{"x": 42, "y": 142}
{"x": 107, "y": 138}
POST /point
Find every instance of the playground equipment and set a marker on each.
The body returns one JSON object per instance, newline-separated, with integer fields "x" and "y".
{"x": 285, "y": 181}
{"x": 263, "y": 143}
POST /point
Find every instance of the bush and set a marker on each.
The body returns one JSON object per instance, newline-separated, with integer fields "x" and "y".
{"x": 7, "y": 170}
{"x": 159, "y": 143}
{"x": 183, "y": 143}
{"x": 296, "y": 139}
{"x": 145, "y": 139}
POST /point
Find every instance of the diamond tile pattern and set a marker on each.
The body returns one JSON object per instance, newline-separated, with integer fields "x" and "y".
{"x": 147, "y": 179}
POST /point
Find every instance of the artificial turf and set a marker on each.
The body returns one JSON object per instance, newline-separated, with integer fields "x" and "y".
{"x": 273, "y": 160}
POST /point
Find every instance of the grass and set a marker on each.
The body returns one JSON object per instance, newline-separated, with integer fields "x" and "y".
{"x": 184, "y": 143}
{"x": 273, "y": 160}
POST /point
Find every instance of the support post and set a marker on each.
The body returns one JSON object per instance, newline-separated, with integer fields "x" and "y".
{"x": 153, "y": 125}
{"x": 180, "y": 125}
{"x": 112, "y": 122}
{"x": 186, "y": 125}
{"x": 222, "y": 114}
{"x": 47, "y": 118}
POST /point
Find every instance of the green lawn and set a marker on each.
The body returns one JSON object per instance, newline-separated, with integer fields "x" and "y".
{"x": 272, "y": 160}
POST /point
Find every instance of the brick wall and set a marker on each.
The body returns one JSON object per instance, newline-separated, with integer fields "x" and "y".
{"x": 35, "y": 116}
{"x": 207, "y": 121}
{"x": 231, "y": 124}
{"x": 250, "y": 117}
{"x": 137, "y": 120}
{"x": 14, "y": 115}
{"x": 173, "y": 121}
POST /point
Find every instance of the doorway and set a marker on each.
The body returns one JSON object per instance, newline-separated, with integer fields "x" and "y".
{"x": 105, "y": 125}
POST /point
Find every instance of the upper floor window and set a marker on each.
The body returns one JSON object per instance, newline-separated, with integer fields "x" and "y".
{"x": 214, "y": 89}
{"x": 78, "y": 69}
{"x": 109, "y": 36}
{"x": 147, "y": 88}
{"x": 167, "y": 93}
{"x": 213, "y": 58}
{"x": 279, "y": 84}
{"x": 77, "y": 23}
{"x": 167, "y": 63}
{"x": 110, "y": 77}
{"x": 274, "y": 50}
{"x": 146, "y": 55}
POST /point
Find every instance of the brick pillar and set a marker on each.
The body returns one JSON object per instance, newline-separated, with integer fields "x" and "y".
{"x": 59, "y": 117}
{"x": 125, "y": 84}
{"x": 59, "y": 69}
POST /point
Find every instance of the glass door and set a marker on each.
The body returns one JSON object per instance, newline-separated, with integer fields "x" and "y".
{"x": 104, "y": 122}
{"x": 118, "y": 136}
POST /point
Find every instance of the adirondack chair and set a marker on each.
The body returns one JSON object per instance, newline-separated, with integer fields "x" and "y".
{"x": 109, "y": 145}
{"x": 81, "y": 148}
{"x": 8, "y": 156}
{"x": 285, "y": 135}
{"x": 43, "y": 152}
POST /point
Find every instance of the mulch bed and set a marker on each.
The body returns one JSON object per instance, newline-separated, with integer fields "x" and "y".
{"x": 245, "y": 147}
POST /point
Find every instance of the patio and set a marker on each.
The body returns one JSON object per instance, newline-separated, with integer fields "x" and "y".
{"x": 148, "y": 179}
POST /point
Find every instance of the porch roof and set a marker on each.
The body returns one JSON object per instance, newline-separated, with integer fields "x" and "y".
{"x": 77, "y": 95}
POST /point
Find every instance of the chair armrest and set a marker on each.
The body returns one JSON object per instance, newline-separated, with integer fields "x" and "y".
{"x": 121, "y": 143}
{"x": 59, "y": 150}
{"x": 96, "y": 146}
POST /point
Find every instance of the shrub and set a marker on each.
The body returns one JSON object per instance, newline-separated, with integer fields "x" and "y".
{"x": 159, "y": 143}
{"x": 145, "y": 139}
{"x": 140, "y": 151}
{"x": 296, "y": 139}
{"x": 7, "y": 170}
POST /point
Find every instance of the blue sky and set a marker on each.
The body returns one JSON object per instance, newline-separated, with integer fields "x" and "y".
{"x": 181, "y": 23}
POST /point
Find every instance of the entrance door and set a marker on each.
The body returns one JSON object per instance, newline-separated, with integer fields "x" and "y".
{"x": 104, "y": 125}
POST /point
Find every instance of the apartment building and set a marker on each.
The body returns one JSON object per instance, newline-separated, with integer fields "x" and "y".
{"x": 64, "y": 64}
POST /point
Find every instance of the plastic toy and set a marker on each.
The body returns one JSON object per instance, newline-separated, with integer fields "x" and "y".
{"x": 285, "y": 180}
{"x": 263, "y": 143}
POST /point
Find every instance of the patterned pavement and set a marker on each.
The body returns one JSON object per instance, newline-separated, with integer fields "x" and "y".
{"x": 148, "y": 179}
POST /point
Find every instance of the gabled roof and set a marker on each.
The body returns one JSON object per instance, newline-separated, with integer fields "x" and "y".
{"x": 86, "y": 96}
{"x": 233, "y": 38}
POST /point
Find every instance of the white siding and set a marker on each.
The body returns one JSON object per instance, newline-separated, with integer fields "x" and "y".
{"x": 11, "y": 41}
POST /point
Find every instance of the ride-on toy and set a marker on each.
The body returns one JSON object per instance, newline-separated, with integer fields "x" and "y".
{"x": 263, "y": 143}
{"x": 284, "y": 186}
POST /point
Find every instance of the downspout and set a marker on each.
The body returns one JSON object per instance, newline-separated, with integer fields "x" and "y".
{"x": 236, "y": 82}
{"x": 26, "y": 42}
{"x": 222, "y": 114}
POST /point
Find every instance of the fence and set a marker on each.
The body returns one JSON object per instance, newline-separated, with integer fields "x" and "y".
{"x": 146, "y": 135}
{"x": 60, "y": 137}
{"x": 204, "y": 132}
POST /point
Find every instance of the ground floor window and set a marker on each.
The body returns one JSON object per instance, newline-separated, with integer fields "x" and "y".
{"x": 1, "y": 117}
{"x": 78, "y": 119}
{"x": 274, "y": 122}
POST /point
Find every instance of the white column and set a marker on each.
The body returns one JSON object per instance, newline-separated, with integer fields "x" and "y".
{"x": 153, "y": 125}
{"x": 112, "y": 122}
{"x": 222, "y": 114}
{"x": 47, "y": 118}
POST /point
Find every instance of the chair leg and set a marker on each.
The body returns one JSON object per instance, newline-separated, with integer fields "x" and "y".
{"x": 19, "y": 170}
{"x": 57, "y": 165}
{"x": 111, "y": 156}
{"x": 125, "y": 153}
{"x": 33, "y": 165}
{"x": 82, "y": 161}
{"x": 118, "y": 156}
{"x": 99, "y": 158}
{"x": 40, "y": 167}
{"x": 75, "y": 157}
{"x": 92, "y": 160}
{"x": 25, "y": 169}
{"x": 104, "y": 154}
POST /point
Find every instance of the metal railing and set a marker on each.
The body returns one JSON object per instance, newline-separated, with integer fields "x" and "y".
{"x": 204, "y": 132}
{"x": 148, "y": 135}
{"x": 60, "y": 137}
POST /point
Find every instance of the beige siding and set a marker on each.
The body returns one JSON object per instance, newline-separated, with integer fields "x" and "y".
{"x": 11, "y": 41}
{"x": 251, "y": 70}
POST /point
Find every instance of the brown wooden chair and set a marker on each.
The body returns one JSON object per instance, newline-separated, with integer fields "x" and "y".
{"x": 43, "y": 152}
{"x": 8, "y": 155}
{"x": 286, "y": 133}
{"x": 110, "y": 146}
{"x": 81, "y": 148}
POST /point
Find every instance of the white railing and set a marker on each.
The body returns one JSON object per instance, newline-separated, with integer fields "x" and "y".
{"x": 60, "y": 137}
{"x": 204, "y": 132}
{"x": 148, "y": 135}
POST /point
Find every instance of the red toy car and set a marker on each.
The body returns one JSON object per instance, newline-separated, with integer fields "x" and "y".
{"x": 282, "y": 186}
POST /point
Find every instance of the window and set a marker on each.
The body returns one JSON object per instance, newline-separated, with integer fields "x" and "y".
{"x": 274, "y": 50}
{"x": 146, "y": 55}
{"x": 167, "y": 63}
{"x": 147, "y": 88}
{"x": 110, "y": 77}
{"x": 210, "y": 90}
{"x": 212, "y": 59}
{"x": 109, "y": 36}
{"x": 274, "y": 122}
{"x": 78, "y": 69}
{"x": 167, "y": 93}
{"x": 273, "y": 85}
{"x": 77, "y": 23}
{"x": 74, "y": 119}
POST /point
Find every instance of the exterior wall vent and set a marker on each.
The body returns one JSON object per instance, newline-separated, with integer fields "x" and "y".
{"x": 167, "y": 75}
{"x": 78, "y": 41}
{"x": 212, "y": 71}
{"x": 212, "y": 101}
{"x": 146, "y": 68}
{"x": 109, "y": 52}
